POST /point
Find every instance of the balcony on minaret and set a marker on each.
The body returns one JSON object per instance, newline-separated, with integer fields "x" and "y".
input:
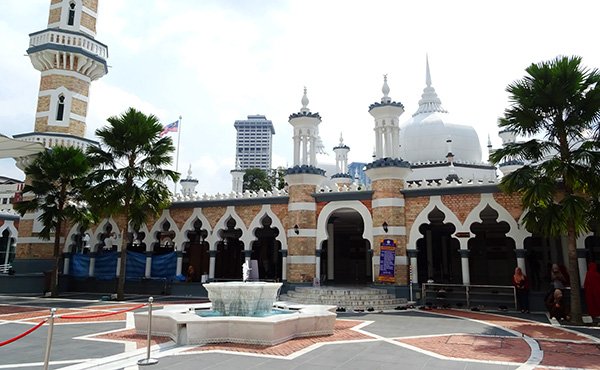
{"x": 69, "y": 50}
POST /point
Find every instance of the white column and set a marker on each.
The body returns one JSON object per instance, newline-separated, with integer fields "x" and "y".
{"x": 179, "y": 263}
{"x": 464, "y": 260}
{"x": 211, "y": 266}
{"x": 330, "y": 252}
{"x": 92, "y": 268}
{"x": 283, "y": 264}
{"x": 304, "y": 150}
{"x": 395, "y": 142}
{"x": 581, "y": 260}
{"x": 313, "y": 151}
{"x": 318, "y": 265}
{"x": 118, "y": 260}
{"x": 415, "y": 272}
{"x": 65, "y": 266}
{"x": 378, "y": 143}
{"x": 296, "y": 150}
{"x": 148, "y": 270}
{"x": 429, "y": 254}
{"x": 7, "y": 250}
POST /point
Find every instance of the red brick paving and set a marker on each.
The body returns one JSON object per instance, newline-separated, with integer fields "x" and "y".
{"x": 579, "y": 355}
{"x": 6, "y": 310}
{"x": 341, "y": 332}
{"x": 474, "y": 347}
{"x": 130, "y": 335}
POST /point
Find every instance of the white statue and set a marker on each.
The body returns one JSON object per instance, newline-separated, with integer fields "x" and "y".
{"x": 246, "y": 271}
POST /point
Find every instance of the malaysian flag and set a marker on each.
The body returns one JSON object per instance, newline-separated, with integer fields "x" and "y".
{"x": 171, "y": 127}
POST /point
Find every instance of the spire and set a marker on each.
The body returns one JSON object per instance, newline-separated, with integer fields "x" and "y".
{"x": 385, "y": 89}
{"x": 190, "y": 172}
{"x": 489, "y": 142}
{"x": 304, "y": 102}
{"x": 341, "y": 140}
{"x": 430, "y": 102}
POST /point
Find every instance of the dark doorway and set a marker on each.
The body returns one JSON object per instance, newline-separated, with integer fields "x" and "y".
{"x": 438, "y": 257}
{"x": 492, "y": 258}
{"x": 349, "y": 255}
{"x": 230, "y": 256}
{"x": 266, "y": 250}
{"x": 196, "y": 258}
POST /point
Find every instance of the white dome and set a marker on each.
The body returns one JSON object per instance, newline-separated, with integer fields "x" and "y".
{"x": 424, "y": 137}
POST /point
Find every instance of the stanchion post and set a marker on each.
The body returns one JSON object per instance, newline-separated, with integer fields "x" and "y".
{"x": 49, "y": 340}
{"x": 148, "y": 360}
{"x": 410, "y": 282}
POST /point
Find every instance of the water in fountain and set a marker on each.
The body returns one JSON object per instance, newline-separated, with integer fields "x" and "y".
{"x": 242, "y": 298}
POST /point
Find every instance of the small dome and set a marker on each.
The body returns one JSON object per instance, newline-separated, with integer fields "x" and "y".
{"x": 424, "y": 137}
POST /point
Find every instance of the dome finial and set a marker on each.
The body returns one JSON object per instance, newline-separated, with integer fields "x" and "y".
{"x": 427, "y": 73}
{"x": 430, "y": 102}
{"x": 341, "y": 140}
{"x": 304, "y": 102}
{"x": 385, "y": 89}
{"x": 190, "y": 172}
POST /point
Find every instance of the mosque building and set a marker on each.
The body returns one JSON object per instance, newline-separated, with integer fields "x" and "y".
{"x": 433, "y": 210}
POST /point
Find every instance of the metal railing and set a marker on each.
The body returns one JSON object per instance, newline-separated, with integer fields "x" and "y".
{"x": 469, "y": 294}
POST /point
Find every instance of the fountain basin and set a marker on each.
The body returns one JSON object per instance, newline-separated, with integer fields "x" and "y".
{"x": 242, "y": 298}
{"x": 184, "y": 326}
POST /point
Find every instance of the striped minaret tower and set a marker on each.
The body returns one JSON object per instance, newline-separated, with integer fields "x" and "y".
{"x": 304, "y": 255}
{"x": 342, "y": 176}
{"x": 69, "y": 58}
{"x": 387, "y": 173}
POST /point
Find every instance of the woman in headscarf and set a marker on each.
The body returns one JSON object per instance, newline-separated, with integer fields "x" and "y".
{"x": 556, "y": 306}
{"x": 557, "y": 278}
{"x": 591, "y": 285}
{"x": 521, "y": 285}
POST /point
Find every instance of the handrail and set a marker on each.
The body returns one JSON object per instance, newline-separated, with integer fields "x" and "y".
{"x": 468, "y": 290}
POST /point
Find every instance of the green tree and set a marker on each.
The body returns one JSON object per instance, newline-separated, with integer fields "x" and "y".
{"x": 277, "y": 178}
{"x": 128, "y": 179}
{"x": 556, "y": 106}
{"x": 55, "y": 186}
{"x": 256, "y": 179}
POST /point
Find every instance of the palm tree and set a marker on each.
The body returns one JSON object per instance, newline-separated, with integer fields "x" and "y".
{"x": 129, "y": 175}
{"x": 557, "y": 107}
{"x": 56, "y": 181}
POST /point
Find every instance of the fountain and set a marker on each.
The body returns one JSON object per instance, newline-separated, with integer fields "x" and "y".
{"x": 240, "y": 312}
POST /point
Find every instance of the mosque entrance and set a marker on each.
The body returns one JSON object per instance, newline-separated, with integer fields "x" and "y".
{"x": 492, "y": 257}
{"x": 345, "y": 255}
{"x": 266, "y": 250}
{"x": 438, "y": 257}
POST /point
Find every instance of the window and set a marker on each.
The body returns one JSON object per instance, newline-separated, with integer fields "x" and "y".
{"x": 60, "y": 109}
{"x": 71, "y": 20}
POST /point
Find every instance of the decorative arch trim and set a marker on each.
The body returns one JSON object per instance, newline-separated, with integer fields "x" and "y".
{"x": 182, "y": 237}
{"x": 331, "y": 207}
{"x": 213, "y": 238}
{"x": 165, "y": 216}
{"x": 422, "y": 218}
{"x": 256, "y": 224}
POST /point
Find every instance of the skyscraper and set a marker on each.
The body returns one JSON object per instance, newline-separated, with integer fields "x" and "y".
{"x": 254, "y": 142}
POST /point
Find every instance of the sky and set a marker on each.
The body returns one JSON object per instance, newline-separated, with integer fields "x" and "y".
{"x": 216, "y": 61}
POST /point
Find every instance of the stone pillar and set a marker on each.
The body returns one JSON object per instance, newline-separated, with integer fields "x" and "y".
{"x": 92, "y": 269}
{"x": 148, "y": 270}
{"x": 119, "y": 260}
{"x": 296, "y": 149}
{"x": 387, "y": 176}
{"x": 211, "y": 267}
{"x": 284, "y": 265}
{"x": 330, "y": 253}
{"x": 179, "y": 263}
{"x": 429, "y": 247}
{"x": 318, "y": 264}
{"x": 67, "y": 262}
{"x": 464, "y": 264}
{"x": 302, "y": 223}
{"x": 521, "y": 253}
{"x": 412, "y": 255}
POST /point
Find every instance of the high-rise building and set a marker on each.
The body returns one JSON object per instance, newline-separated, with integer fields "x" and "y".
{"x": 254, "y": 142}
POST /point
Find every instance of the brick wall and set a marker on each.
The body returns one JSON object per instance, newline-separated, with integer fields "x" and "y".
{"x": 298, "y": 273}
{"x": 78, "y": 107}
{"x": 461, "y": 204}
{"x": 43, "y": 103}
{"x": 88, "y": 21}
{"x": 54, "y": 15}
{"x": 91, "y": 4}
{"x": 74, "y": 84}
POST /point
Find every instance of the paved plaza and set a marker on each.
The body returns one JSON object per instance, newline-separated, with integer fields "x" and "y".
{"x": 88, "y": 335}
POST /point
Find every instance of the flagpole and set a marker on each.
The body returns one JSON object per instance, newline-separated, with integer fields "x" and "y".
{"x": 177, "y": 158}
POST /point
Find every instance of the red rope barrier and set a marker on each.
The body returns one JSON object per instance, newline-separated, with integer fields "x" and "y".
{"x": 23, "y": 334}
{"x": 102, "y": 314}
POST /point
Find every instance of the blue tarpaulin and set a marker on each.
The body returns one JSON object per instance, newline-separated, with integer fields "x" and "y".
{"x": 136, "y": 265}
{"x": 80, "y": 265}
{"x": 164, "y": 265}
{"x": 106, "y": 266}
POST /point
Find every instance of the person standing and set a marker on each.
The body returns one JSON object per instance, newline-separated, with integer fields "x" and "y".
{"x": 591, "y": 286}
{"x": 557, "y": 278}
{"x": 521, "y": 285}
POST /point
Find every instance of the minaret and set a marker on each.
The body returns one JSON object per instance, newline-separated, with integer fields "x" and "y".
{"x": 387, "y": 129}
{"x": 341, "y": 163}
{"x": 387, "y": 172}
{"x": 188, "y": 185}
{"x": 302, "y": 180}
{"x": 69, "y": 59}
{"x": 237, "y": 178}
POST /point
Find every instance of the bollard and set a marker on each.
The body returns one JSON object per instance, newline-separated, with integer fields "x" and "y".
{"x": 49, "y": 340}
{"x": 148, "y": 360}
